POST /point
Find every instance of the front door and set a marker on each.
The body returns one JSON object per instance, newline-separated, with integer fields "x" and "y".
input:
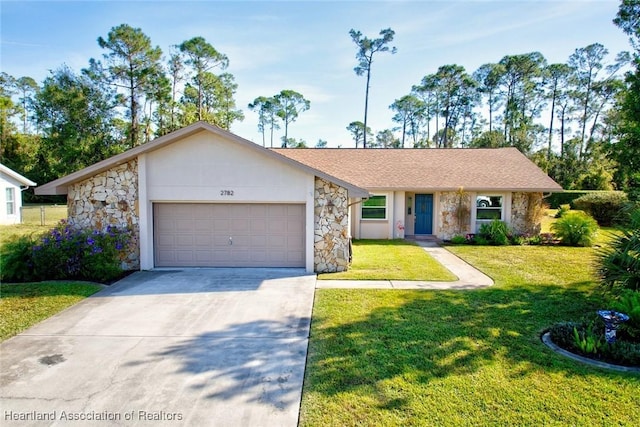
{"x": 424, "y": 214}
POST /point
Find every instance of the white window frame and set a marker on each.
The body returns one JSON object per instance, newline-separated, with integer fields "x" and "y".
{"x": 503, "y": 209}
{"x": 363, "y": 208}
{"x": 10, "y": 194}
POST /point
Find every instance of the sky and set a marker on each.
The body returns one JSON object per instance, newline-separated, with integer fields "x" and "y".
{"x": 305, "y": 45}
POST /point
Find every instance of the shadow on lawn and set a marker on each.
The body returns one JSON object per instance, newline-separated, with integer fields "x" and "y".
{"x": 429, "y": 335}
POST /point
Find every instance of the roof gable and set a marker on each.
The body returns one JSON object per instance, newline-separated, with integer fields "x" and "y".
{"x": 474, "y": 169}
{"x": 59, "y": 186}
{"x": 16, "y": 176}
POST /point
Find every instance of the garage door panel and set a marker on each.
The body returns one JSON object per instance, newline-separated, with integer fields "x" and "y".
{"x": 263, "y": 235}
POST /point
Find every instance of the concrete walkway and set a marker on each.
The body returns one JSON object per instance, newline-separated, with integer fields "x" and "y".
{"x": 468, "y": 276}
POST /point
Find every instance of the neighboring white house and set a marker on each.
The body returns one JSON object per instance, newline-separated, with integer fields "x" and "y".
{"x": 12, "y": 184}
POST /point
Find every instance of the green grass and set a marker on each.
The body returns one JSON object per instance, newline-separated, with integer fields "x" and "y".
{"x": 52, "y": 214}
{"x": 25, "y": 304}
{"x": 31, "y": 222}
{"x": 391, "y": 260}
{"x": 464, "y": 358}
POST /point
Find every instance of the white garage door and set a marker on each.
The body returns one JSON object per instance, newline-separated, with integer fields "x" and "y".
{"x": 229, "y": 235}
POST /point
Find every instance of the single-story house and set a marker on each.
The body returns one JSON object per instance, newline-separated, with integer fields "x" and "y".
{"x": 11, "y": 196}
{"x": 202, "y": 196}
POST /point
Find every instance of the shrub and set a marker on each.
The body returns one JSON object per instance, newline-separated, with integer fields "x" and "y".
{"x": 562, "y": 211}
{"x": 480, "y": 240}
{"x": 619, "y": 263}
{"x": 587, "y": 338}
{"x": 562, "y": 334}
{"x": 629, "y": 303}
{"x": 496, "y": 232}
{"x": 603, "y": 206}
{"x": 518, "y": 239}
{"x": 66, "y": 252}
{"x": 459, "y": 240}
{"x": 15, "y": 260}
{"x": 587, "y": 341}
{"x": 575, "y": 229}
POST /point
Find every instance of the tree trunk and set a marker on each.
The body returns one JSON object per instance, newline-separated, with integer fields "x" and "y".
{"x": 366, "y": 106}
{"x": 553, "y": 108}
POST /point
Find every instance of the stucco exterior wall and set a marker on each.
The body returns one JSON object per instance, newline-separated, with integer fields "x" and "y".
{"x": 331, "y": 227}
{"x": 206, "y": 167}
{"x": 454, "y": 215}
{"x": 5, "y": 183}
{"x": 524, "y": 213}
{"x": 109, "y": 198}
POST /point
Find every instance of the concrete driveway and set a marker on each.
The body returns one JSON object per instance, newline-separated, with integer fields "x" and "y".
{"x": 210, "y": 347}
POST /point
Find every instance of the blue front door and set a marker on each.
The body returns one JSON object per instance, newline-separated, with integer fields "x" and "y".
{"x": 424, "y": 214}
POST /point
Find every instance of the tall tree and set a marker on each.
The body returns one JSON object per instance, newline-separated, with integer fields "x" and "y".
{"x": 76, "y": 119}
{"x": 521, "y": 83}
{"x": 8, "y": 108}
{"x": 202, "y": 57}
{"x": 226, "y": 111}
{"x": 458, "y": 93}
{"x": 267, "y": 108}
{"x": 386, "y": 139}
{"x": 176, "y": 70}
{"x": 627, "y": 150}
{"x": 26, "y": 87}
{"x": 366, "y": 49}
{"x": 289, "y": 105}
{"x": 587, "y": 62}
{"x": 358, "y": 132}
{"x": 557, "y": 78}
{"x": 409, "y": 114}
{"x": 132, "y": 65}
{"x": 488, "y": 78}
{"x": 429, "y": 92}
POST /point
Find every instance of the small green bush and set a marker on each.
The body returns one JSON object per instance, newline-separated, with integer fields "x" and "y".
{"x": 458, "y": 240}
{"x": 587, "y": 341}
{"x": 496, "y": 232}
{"x": 604, "y": 206}
{"x": 480, "y": 240}
{"x": 15, "y": 259}
{"x": 628, "y": 302}
{"x": 619, "y": 263}
{"x": 575, "y": 229}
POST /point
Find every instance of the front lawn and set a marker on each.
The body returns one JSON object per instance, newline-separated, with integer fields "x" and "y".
{"x": 390, "y": 357}
{"x": 25, "y": 304}
{"x": 391, "y": 260}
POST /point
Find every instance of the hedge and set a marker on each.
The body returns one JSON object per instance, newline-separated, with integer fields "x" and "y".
{"x": 605, "y": 207}
{"x": 555, "y": 200}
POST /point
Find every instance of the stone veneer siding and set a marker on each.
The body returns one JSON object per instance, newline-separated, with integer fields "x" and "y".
{"x": 109, "y": 198}
{"x": 523, "y": 208}
{"x": 449, "y": 204}
{"x": 331, "y": 224}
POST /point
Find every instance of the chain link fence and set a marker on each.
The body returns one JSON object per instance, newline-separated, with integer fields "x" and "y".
{"x": 42, "y": 214}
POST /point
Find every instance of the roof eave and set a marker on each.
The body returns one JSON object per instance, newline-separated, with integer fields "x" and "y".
{"x": 15, "y": 175}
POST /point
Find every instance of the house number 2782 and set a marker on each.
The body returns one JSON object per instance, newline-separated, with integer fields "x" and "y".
{"x": 226, "y": 192}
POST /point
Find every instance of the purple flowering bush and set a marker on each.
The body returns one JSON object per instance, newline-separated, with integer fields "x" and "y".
{"x": 67, "y": 252}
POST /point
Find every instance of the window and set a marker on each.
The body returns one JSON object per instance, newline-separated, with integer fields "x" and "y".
{"x": 375, "y": 208}
{"x": 11, "y": 201}
{"x": 488, "y": 208}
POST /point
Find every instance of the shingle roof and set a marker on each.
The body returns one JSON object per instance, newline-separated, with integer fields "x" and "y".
{"x": 503, "y": 169}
